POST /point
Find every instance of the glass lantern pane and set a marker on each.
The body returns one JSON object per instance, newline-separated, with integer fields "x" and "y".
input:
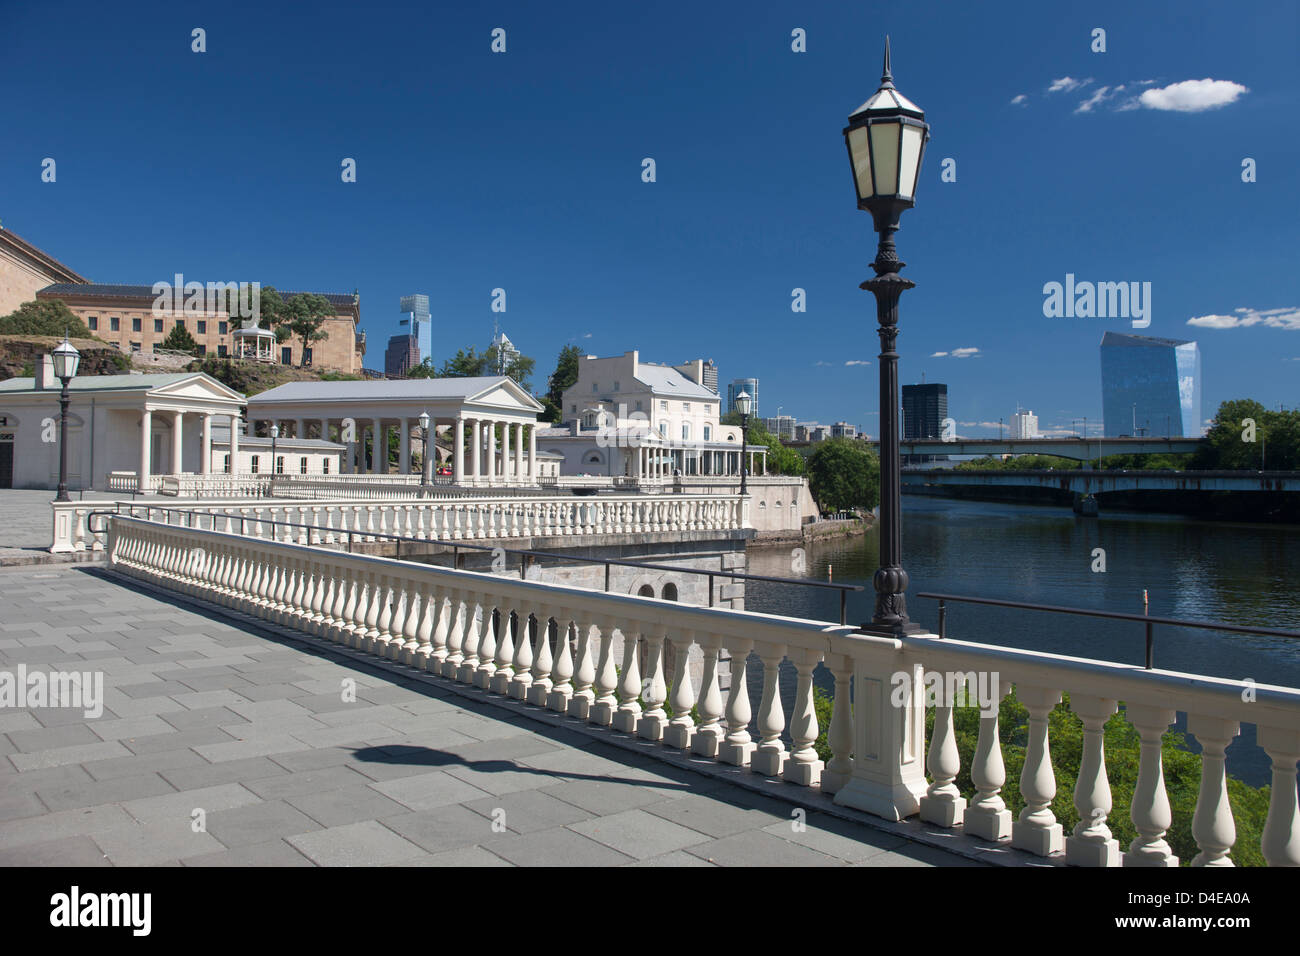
{"x": 884, "y": 149}
{"x": 861, "y": 160}
{"x": 910, "y": 164}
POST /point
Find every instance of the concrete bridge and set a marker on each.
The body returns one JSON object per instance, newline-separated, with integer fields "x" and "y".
{"x": 1091, "y": 482}
{"x": 1079, "y": 448}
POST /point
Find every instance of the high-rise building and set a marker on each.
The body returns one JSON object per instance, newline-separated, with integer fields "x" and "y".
{"x": 782, "y": 426}
{"x": 1150, "y": 386}
{"x": 924, "y": 409}
{"x": 417, "y": 323}
{"x": 402, "y": 354}
{"x": 747, "y": 385}
{"x": 1024, "y": 424}
{"x": 506, "y": 353}
{"x": 844, "y": 430}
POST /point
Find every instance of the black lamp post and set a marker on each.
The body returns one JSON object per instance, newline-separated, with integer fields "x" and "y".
{"x": 66, "y": 359}
{"x": 275, "y": 461}
{"x": 426, "y": 463}
{"x": 886, "y": 139}
{"x": 743, "y": 405}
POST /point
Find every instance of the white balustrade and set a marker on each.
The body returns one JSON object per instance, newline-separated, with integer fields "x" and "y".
{"x": 495, "y": 632}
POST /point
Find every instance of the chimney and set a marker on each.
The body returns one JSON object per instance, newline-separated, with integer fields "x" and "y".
{"x": 45, "y": 373}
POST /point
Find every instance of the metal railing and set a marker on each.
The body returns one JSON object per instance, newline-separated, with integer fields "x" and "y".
{"x": 527, "y": 557}
{"x": 1147, "y": 620}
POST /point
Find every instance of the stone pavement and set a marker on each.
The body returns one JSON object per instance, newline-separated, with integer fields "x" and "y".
{"x": 225, "y": 744}
{"x": 27, "y": 524}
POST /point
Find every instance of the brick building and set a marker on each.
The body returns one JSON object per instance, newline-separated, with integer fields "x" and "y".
{"x": 25, "y": 270}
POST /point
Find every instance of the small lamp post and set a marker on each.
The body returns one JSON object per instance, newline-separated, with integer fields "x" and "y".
{"x": 275, "y": 437}
{"x": 886, "y": 139}
{"x": 66, "y": 359}
{"x": 426, "y": 463}
{"x": 743, "y": 404}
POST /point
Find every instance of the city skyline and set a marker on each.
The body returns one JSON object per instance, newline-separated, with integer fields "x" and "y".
{"x": 706, "y": 259}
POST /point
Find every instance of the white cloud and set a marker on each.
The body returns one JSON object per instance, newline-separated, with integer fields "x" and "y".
{"x": 857, "y": 362}
{"x": 1102, "y": 95}
{"x": 823, "y": 363}
{"x": 1288, "y": 318}
{"x": 1020, "y": 99}
{"x": 1192, "y": 96}
{"x": 1067, "y": 84}
{"x": 964, "y": 352}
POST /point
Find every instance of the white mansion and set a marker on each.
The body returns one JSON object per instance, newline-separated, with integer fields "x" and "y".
{"x": 625, "y": 417}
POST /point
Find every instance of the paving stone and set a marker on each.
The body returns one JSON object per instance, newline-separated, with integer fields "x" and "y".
{"x": 55, "y": 826}
{"x": 638, "y": 834}
{"x": 50, "y": 738}
{"x": 81, "y": 753}
{"x": 675, "y": 859}
{"x": 177, "y": 806}
{"x": 98, "y": 792}
{"x": 357, "y": 844}
{"x": 77, "y": 851}
{"x": 429, "y": 790}
{"x": 203, "y": 717}
{"x": 152, "y": 763}
{"x": 283, "y": 786}
{"x": 602, "y": 797}
{"x": 501, "y": 776}
{"x": 759, "y": 849}
{"x": 333, "y": 808}
{"x": 127, "y": 728}
{"x": 258, "y": 823}
{"x": 15, "y": 804}
{"x": 719, "y": 818}
{"x": 273, "y": 853}
{"x": 558, "y": 846}
{"x": 834, "y": 837}
{"x": 157, "y": 843}
{"x": 204, "y": 774}
{"x": 529, "y": 810}
{"x": 253, "y": 747}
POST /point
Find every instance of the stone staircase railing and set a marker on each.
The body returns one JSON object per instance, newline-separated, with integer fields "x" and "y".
{"x": 450, "y": 519}
{"x": 483, "y": 630}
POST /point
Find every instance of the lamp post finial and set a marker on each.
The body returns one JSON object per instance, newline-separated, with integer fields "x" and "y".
{"x": 886, "y": 77}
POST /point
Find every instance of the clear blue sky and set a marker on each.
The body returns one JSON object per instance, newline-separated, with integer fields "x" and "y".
{"x": 522, "y": 171}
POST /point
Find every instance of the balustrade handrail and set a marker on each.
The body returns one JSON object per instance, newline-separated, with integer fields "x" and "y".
{"x": 456, "y": 547}
{"x": 1146, "y": 619}
{"x": 497, "y": 634}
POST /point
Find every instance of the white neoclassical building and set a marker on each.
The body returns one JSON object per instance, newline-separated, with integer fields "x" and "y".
{"x": 125, "y": 424}
{"x": 628, "y": 418}
{"x": 491, "y": 423}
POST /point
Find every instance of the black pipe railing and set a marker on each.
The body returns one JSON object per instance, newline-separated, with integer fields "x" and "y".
{"x": 526, "y": 555}
{"x": 1147, "y": 620}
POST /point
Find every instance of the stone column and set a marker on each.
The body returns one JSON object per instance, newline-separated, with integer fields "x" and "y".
{"x": 146, "y": 442}
{"x": 476, "y": 451}
{"x": 300, "y": 428}
{"x": 458, "y": 457}
{"x": 178, "y": 435}
{"x": 378, "y": 428}
{"x": 519, "y": 473}
{"x": 235, "y": 425}
{"x": 324, "y": 429}
{"x": 532, "y": 454}
{"x": 205, "y": 446}
{"x": 404, "y": 446}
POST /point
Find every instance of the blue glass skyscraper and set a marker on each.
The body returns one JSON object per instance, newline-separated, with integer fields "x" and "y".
{"x": 1150, "y": 386}
{"x": 417, "y": 322}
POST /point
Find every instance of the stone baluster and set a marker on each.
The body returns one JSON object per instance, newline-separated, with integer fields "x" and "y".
{"x": 707, "y": 738}
{"x": 505, "y": 657}
{"x": 804, "y": 767}
{"x": 1212, "y": 824}
{"x": 523, "y": 663}
{"x": 487, "y": 647}
{"x": 943, "y": 803}
{"x": 455, "y": 635}
{"x": 988, "y": 816}
{"x": 1280, "y": 842}
{"x": 396, "y": 646}
{"x": 469, "y": 645}
{"x": 680, "y": 731}
{"x": 445, "y": 612}
{"x": 738, "y": 747}
{"x": 839, "y": 736}
{"x": 654, "y": 689}
{"x": 606, "y": 701}
{"x": 584, "y": 673}
{"x": 542, "y": 659}
{"x": 562, "y": 689}
{"x": 1150, "y": 809}
{"x": 365, "y": 601}
{"x": 419, "y": 656}
{"x": 770, "y": 757}
{"x": 1090, "y": 843}
{"x": 629, "y": 686}
{"x": 1037, "y": 830}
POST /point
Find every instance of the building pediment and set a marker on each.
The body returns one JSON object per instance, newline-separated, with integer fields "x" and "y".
{"x": 198, "y": 386}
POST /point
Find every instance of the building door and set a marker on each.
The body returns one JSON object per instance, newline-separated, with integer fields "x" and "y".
{"x": 6, "y": 461}
{"x": 286, "y": 355}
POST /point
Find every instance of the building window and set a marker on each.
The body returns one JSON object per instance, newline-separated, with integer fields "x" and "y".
{"x": 663, "y": 429}
{"x": 92, "y": 321}
{"x": 135, "y": 346}
{"x": 180, "y": 323}
{"x": 114, "y": 324}
{"x": 686, "y": 432}
{"x": 279, "y": 464}
{"x": 686, "y": 406}
{"x": 286, "y": 355}
{"x": 157, "y": 325}
{"x": 135, "y": 325}
{"x": 221, "y": 351}
{"x": 306, "y": 356}
{"x": 203, "y": 327}
{"x": 202, "y": 350}
{"x": 223, "y": 327}
{"x": 595, "y": 386}
{"x": 663, "y": 406}
{"x": 708, "y": 432}
{"x": 325, "y": 466}
{"x": 638, "y": 404}
{"x": 256, "y": 463}
{"x": 226, "y": 469}
{"x": 616, "y": 387}
{"x": 302, "y": 464}
{"x": 573, "y": 408}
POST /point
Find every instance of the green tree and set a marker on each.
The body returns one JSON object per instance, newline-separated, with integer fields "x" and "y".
{"x": 565, "y": 374}
{"x": 180, "y": 340}
{"x": 1246, "y": 436}
{"x": 844, "y": 474}
{"x": 464, "y": 364}
{"x": 302, "y": 316}
{"x": 46, "y": 317}
{"x": 780, "y": 459}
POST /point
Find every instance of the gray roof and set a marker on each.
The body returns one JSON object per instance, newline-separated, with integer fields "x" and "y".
{"x": 101, "y": 383}
{"x": 397, "y": 389}
{"x": 1124, "y": 338}
{"x": 663, "y": 380}
{"x": 221, "y": 436}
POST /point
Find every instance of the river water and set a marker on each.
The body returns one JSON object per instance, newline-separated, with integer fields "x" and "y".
{"x": 1194, "y": 570}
